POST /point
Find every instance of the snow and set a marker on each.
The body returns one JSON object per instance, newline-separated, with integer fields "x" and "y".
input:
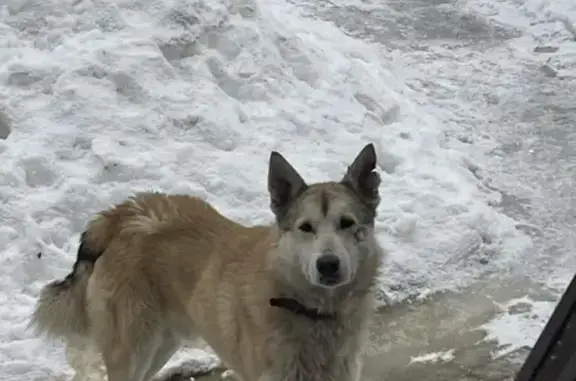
{"x": 545, "y": 24}
{"x": 434, "y": 357}
{"x": 517, "y": 324}
{"x": 101, "y": 99}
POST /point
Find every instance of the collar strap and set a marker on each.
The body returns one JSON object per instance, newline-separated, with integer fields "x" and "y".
{"x": 296, "y": 308}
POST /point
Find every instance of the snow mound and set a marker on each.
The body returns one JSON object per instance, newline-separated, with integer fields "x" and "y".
{"x": 104, "y": 98}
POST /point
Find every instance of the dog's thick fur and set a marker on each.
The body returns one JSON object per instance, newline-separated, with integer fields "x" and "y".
{"x": 158, "y": 268}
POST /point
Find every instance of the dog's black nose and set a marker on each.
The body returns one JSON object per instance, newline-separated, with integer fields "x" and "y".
{"x": 328, "y": 266}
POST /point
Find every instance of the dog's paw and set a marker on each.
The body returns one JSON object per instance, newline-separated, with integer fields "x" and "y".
{"x": 229, "y": 375}
{"x": 185, "y": 371}
{"x": 86, "y": 362}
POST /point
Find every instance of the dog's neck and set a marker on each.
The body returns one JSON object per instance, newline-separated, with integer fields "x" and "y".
{"x": 297, "y": 308}
{"x": 317, "y": 305}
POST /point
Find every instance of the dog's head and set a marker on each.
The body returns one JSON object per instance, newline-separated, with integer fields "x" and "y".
{"x": 326, "y": 230}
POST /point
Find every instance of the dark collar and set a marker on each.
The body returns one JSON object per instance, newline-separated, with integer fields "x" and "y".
{"x": 296, "y": 308}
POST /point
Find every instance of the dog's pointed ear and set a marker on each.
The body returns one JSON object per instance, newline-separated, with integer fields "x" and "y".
{"x": 284, "y": 184}
{"x": 361, "y": 177}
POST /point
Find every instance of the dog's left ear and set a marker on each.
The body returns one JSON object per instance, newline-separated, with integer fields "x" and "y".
{"x": 361, "y": 177}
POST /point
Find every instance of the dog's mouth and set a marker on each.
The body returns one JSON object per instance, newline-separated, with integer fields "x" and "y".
{"x": 333, "y": 281}
{"x": 330, "y": 281}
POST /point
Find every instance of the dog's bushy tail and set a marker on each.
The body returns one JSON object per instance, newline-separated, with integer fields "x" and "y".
{"x": 60, "y": 311}
{"x": 61, "y": 307}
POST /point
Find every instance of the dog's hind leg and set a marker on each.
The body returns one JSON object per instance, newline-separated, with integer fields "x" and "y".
{"x": 129, "y": 334}
{"x": 164, "y": 351}
{"x": 85, "y": 359}
{"x": 138, "y": 362}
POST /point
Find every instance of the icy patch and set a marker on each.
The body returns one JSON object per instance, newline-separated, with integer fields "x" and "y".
{"x": 5, "y": 126}
{"x": 519, "y": 325}
{"x": 434, "y": 357}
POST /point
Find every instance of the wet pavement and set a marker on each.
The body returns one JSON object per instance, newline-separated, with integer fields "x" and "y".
{"x": 447, "y": 324}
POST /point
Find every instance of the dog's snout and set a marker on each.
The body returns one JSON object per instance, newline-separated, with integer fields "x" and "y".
{"x": 328, "y": 266}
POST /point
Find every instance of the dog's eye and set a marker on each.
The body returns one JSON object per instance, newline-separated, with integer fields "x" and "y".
{"x": 306, "y": 227}
{"x": 346, "y": 222}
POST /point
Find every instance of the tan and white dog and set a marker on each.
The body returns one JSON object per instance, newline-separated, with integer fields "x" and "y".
{"x": 285, "y": 302}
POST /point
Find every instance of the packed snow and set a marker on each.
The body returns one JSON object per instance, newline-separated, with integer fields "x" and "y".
{"x": 100, "y": 99}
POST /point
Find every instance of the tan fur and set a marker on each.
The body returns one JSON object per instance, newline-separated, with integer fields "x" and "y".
{"x": 170, "y": 267}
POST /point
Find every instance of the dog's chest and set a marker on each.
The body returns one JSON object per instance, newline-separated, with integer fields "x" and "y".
{"x": 320, "y": 352}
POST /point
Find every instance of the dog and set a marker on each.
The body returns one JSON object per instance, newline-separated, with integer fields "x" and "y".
{"x": 291, "y": 301}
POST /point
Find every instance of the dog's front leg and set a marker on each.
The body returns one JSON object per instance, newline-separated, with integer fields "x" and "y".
{"x": 349, "y": 370}
{"x": 284, "y": 375}
{"x": 356, "y": 369}
{"x": 268, "y": 377}
{"x": 345, "y": 366}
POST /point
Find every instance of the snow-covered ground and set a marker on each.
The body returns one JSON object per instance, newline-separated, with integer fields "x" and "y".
{"x": 534, "y": 122}
{"x": 101, "y": 98}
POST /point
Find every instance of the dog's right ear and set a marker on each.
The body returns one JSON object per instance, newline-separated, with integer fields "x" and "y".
{"x": 284, "y": 184}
